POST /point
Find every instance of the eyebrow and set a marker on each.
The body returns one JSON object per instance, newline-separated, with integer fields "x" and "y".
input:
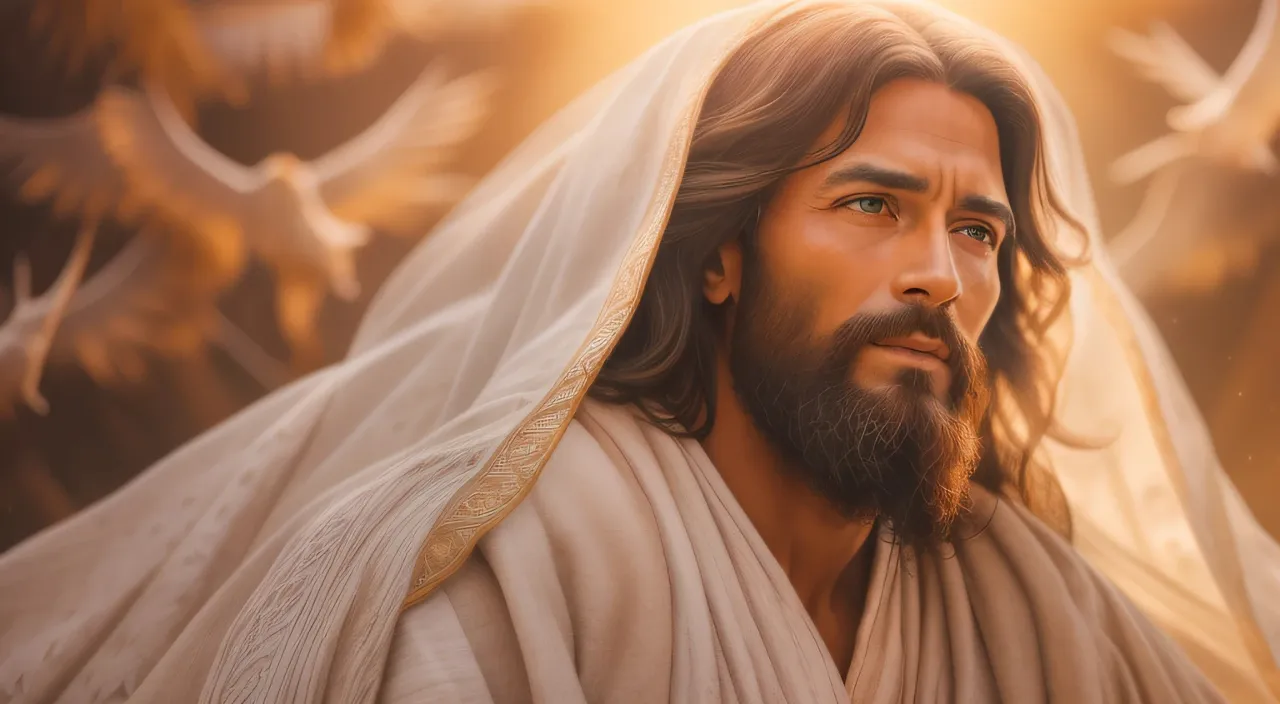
{"x": 990, "y": 207}
{"x": 870, "y": 173}
{"x": 903, "y": 181}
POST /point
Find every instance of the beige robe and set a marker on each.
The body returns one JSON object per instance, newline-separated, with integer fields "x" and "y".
{"x": 270, "y": 560}
{"x": 630, "y": 574}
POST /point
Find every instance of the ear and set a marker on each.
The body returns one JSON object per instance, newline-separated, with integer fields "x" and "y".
{"x": 722, "y": 279}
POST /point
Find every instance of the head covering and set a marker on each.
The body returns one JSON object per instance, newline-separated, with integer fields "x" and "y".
{"x": 268, "y": 559}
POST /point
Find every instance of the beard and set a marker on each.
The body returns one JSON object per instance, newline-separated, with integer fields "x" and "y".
{"x": 898, "y": 453}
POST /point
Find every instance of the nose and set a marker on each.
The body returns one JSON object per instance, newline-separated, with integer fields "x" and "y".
{"x": 928, "y": 273}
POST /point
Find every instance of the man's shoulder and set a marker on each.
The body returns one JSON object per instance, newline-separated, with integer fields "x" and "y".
{"x": 590, "y": 472}
{"x": 586, "y": 538}
{"x": 580, "y": 561}
{"x": 602, "y": 427}
{"x": 589, "y": 511}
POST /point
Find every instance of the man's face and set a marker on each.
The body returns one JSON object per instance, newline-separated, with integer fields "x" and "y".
{"x": 854, "y": 341}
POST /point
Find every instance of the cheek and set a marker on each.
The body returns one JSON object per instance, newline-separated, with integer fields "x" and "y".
{"x": 841, "y": 285}
{"x": 981, "y": 293}
{"x": 837, "y": 273}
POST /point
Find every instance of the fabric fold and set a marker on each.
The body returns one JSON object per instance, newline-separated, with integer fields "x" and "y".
{"x": 1006, "y": 612}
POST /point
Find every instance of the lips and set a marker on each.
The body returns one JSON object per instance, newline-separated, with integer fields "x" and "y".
{"x": 918, "y": 343}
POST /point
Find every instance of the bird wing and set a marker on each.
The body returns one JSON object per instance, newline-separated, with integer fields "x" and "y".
{"x": 1152, "y": 156}
{"x": 168, "y": 166}
{"x": 1255, "y": 73}
{"x": 360, "y": 30}
{"x": 387, "y": 175}
{"x": 62, "y": 160}
{"x": 280, "y": 39}
{"x": 1165, "y": 59}
{"x": 1188, "y": 210}
{"x": 1261, "y": 44}
{"x": 298, "y": 37}
{"x": 1150, "y": 246}
{"x": 1248, "y": 89}
{"x": 27, "y": 333}
{"x": 156, "y": 297}
{"x": 158, "y": 38}
{"x": 431, "y": 20}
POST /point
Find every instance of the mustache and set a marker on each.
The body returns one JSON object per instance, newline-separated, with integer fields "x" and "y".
{"x": 966, "y": 361}
{"x": 869, "y": 328}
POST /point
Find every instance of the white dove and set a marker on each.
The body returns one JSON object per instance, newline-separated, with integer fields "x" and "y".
{"x": 304, "y": 219}
{"x": 26, "y": 335}
{"x": 198, "y": 47}
{"x": 1229, "y": 118}
{"x": 157, "y": 296}
{"x": 307, "y": 37}
{"x": 1190, "y": 233}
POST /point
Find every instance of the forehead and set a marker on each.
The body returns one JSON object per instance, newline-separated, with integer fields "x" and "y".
{"x": 930, "y": 130}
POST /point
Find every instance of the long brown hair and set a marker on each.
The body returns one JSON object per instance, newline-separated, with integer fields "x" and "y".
{"x": 772, "y": 99}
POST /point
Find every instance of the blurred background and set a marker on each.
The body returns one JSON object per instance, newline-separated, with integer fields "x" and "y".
{"x": 123, "y": 389}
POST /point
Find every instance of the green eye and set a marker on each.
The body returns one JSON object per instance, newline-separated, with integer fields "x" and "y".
{"x": 978, "y": 232}
{"x": 871, "y": 205}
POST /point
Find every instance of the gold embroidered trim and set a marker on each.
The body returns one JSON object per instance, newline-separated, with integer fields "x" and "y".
{"x": 512, "y": 470}
{"x": 509, "y": 476}
{"x": 491, "y": 495}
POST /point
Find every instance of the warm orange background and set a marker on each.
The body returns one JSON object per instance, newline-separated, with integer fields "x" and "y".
{"x": 96, "y": 438}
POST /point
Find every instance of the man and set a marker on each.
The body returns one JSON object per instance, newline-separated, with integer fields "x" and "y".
{"x": 732, "y": 384}
{"x": 836, "y": 294}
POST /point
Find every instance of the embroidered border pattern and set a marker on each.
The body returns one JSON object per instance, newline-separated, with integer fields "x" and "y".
{"x": 515, "y": 465}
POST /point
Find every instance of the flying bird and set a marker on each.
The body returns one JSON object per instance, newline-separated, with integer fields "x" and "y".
{"x": 26, "y": 335}
{"x": 1229, "y": 118}
{"x": 155, "y": 298}
{"x": 132, "y": 156}
{"x": 1190, "y": 233}
{"x": 198, "y": 48}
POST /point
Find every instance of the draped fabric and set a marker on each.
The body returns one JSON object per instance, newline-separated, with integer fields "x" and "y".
{"x": 270, "y": 558}
{"x": 680, "y": 600}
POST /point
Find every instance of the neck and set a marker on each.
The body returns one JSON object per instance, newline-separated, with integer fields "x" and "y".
{"x": 821, "y": 550}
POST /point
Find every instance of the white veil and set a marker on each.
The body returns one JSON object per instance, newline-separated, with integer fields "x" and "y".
{"x": 268, "y": 559}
